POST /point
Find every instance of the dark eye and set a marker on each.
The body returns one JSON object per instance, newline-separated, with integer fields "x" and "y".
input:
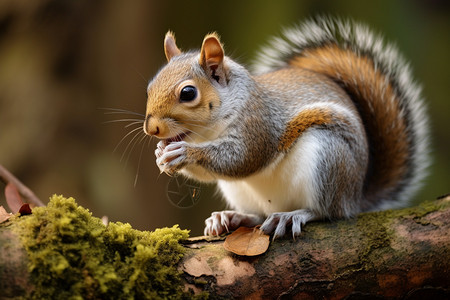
{"x": 188, "y": 93}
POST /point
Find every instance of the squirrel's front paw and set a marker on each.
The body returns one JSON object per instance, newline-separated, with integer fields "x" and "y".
{"x": 224, "y": 221}
{"x": 172, "y": 157}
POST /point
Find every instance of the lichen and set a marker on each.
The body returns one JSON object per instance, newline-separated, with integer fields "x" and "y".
{"x": 73, "y": 255}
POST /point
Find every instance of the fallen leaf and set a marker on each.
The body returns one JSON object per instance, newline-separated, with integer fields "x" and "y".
{"x": 247, "y": 241}
{"x": 25, "y": 209}
{"x": 13, "y": 198}
{"x": 4, "y": 215}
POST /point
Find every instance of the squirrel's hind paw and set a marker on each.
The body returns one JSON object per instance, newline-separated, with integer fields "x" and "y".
{"x": 277, "y": 223}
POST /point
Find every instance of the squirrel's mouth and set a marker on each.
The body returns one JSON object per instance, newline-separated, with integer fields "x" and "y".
{"x": 178, "y": 138}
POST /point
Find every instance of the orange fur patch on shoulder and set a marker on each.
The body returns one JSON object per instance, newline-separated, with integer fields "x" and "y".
{"x": 301, "y": 122}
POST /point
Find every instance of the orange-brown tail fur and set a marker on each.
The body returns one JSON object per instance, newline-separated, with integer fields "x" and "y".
{"x": 378, "y": 81}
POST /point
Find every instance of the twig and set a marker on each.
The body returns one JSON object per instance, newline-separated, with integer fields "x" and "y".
{"x": 24, "y": 191}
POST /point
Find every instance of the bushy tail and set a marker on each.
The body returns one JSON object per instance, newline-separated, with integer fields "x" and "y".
{"x": 379, "y": 82}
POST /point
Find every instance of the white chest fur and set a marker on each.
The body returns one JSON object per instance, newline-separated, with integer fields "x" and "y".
{"x": 286, "y": 184}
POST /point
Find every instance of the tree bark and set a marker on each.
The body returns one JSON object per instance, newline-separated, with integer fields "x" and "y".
{"x": 383, "y": 255}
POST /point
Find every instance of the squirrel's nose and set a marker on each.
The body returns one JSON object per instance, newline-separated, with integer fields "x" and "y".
{"x": 153, "y": 126}
{"x": 154, "y": 131}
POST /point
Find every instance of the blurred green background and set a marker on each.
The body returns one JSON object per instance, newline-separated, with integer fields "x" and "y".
{"x": 62, "y": 60}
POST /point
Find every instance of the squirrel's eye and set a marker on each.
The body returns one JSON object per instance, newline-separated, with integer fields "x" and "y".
{"x": 188, "y": 93}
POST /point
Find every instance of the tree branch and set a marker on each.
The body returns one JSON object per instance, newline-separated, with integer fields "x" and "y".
{"x": 399, "y": 254}
{"x": 24, "y": 191}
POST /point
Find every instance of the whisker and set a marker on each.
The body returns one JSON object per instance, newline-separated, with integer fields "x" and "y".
{"x": 132, "y": 142}
{"x": 149, "y": 142}
{"x": 124, "y": 120}
{"x": 134, "y": 123}
{"x": 140, "y": 157}
{"x": 136, "y": 136}
{"x": 196, "y": 125}
{"x": 129, "y": 133}
{"x": 199, "y": 126}
{"x": 204, "y": 127}
{"x": 140, "y": 74}
{"x": 125, "y": 113}
{"x": 110, "y": 111}
{"x": 116, "y": 109}
{"x": 192, "y": 131}
{"x": 198, "y": 134}
{"x": 136, "y": 142}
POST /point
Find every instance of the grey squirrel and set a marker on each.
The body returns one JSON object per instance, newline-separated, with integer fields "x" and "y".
{"x": 329, "y": 124}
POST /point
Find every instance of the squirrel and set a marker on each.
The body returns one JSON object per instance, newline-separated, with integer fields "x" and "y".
{"x": 328, "y": 124}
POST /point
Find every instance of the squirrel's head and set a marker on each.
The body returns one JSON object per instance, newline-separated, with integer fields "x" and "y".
{"x": 183, "y": 95}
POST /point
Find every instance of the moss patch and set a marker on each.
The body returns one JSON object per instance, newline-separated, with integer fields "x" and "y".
{"x": 376, "y": 226}
{"x": 376, "y": 232}
{"x": 72, "y": 255}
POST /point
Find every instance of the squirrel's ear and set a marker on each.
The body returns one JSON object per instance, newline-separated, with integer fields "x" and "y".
{"x": 211, "y": 57}
{"x": 170, "y": 47}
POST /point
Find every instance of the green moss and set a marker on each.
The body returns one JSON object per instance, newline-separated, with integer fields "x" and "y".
{"x": 72, "y": 255}
{"x": 375, "y": 229}
{"x": 376, "y": 226}
{"x": 418, "y": 213}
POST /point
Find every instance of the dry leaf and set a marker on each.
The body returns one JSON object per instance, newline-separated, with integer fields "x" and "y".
{"x": 25, "y": 209}
{"x": 247, "y": 241}
{"x": 4, "y": 215}
{"x": 13, "y": 198}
